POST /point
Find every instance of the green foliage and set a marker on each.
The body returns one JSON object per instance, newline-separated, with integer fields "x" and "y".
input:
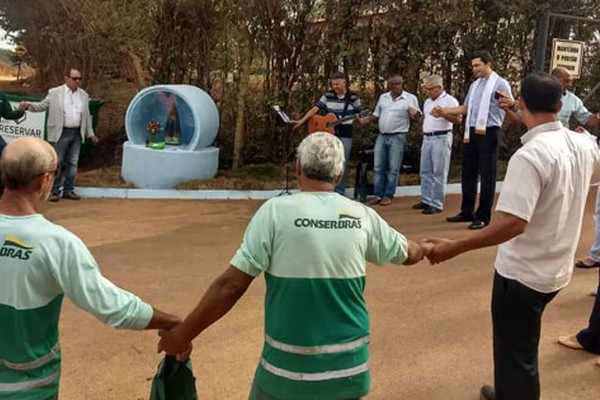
{"x": 294, "y": 46}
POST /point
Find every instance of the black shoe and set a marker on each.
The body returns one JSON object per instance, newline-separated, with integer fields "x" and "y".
{"x": 460, "y": 217}
{"x": 419, "y": 206}
{"x": 487, "y": 393}
{"x": 429, "y": 210}
{"x": 54, "y": 197}
{"x": 71, "y": 196}
{"x": 477, "y": 224}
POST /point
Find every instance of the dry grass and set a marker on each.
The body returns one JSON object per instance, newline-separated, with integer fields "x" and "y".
{"x": 103, "y": 177}
{"x": 249, "y": 177}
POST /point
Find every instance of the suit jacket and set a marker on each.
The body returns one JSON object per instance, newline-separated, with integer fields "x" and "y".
{"x": 54, "y": 103}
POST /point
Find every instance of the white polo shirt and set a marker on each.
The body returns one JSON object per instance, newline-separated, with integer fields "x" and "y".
{"x": 433, "y": 124}
{"x": 393, "y": 115}
{"x": 546, "y": 184}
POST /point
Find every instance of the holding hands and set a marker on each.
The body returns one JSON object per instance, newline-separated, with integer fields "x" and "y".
{"x": 441, "y": 249}
{"x": 437, "y": 111}
{"x": 414, "y": 113}
{"x": 436, "y": 250}
{"x": 172, "y": 342}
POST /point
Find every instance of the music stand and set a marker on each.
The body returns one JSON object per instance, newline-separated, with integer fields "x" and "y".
{"x": 286, "y": 149}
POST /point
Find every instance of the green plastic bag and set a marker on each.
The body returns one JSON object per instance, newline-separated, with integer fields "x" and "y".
{"x": 174, "y": 380}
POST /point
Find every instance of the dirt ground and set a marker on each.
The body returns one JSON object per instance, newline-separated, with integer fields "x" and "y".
{"x": 431, "y": 328}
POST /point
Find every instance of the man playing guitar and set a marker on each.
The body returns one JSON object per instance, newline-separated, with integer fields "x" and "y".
{"x": 341, "y": 102}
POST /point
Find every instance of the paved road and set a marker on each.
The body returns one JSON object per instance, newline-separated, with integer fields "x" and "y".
{"x": 430, "y": 324}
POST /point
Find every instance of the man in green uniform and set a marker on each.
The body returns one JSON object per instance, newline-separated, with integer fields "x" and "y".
{"x": 40, "y": 263}
{"x": 312, "y": 248}
{"x": 7, "y": 112}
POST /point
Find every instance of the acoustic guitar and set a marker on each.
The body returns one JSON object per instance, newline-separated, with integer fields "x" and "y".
{"x": 328, "y": 122}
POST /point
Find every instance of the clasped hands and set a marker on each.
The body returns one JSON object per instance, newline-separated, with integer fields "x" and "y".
{"x": 173, "y": 343}
{"x": 438, "y": 250}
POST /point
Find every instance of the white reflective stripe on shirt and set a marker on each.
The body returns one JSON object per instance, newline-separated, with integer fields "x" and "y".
{"x": 13, "y": 387}
{"x": 315, "y": 377}
{"x": 325, "y": 349}
{"x": 32, "y": 364}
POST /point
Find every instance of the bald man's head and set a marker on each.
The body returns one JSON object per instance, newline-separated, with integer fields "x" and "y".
{"x": 24, "y": 159}
{"x": 564, "y": 76}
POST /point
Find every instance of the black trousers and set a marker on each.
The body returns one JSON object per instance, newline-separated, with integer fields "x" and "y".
{"x": 479, "y": 162}
{"x": 590, "y": 336}
{"x": 517, "y": 320}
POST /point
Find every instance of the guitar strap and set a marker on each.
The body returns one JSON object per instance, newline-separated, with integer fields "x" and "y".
{"x": 348, "y": 97}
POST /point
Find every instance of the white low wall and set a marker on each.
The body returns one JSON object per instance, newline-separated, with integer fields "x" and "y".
{"x": 401, "y": 191}
{"x": 162, "y": 169}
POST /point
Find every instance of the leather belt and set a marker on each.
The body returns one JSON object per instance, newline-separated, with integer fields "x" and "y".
{"x": 436, "y": 133}
{"x": 393, "y": 133}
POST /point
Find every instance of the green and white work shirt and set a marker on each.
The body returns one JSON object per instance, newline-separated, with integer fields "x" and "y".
{"x": 40, "y": 262}
{"x": 312, "y": 247}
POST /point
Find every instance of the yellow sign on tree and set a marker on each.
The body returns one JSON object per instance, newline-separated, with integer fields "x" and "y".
{"x": 21, "y": 50}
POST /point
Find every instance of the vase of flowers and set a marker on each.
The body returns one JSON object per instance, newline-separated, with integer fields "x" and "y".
{"x": 155, "y": 141}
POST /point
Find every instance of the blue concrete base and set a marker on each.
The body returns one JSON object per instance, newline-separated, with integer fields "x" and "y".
{"x": 164, "y": 169}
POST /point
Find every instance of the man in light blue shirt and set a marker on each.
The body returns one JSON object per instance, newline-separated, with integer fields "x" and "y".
{"x": 394, "y": 111}
{"x": 572, "y": 106}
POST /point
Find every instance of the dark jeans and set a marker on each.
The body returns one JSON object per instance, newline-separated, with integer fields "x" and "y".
{"x": 517, "y": 321}
{"x": 479, "y": 161}
{"x": 67, "y": 149}
{"x": 590, "y": 336}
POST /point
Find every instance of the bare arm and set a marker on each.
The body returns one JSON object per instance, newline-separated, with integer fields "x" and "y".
{"x": 415, "y": 114}
{"x": 509, "y": 105}
{"x": 306, "y": 117}
{"x": 514, "y": 117}
{"x": 594, "y": 120}
{"x": 502, "y": 229}
{"x": 455, "y": 119}
{"x": 220, "y": 297}
{"x": 162, "y": 320}
{"x": 459, "y": 110}
{"x": 364, "y": 121}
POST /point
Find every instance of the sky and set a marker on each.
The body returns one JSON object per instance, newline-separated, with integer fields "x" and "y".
{"x": 4, "y": 44}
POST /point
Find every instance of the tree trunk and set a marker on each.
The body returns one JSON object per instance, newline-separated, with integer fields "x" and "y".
{"x": 245, "y": 70}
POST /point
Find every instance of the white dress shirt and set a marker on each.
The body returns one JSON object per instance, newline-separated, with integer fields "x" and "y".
{"x": 72, "y": 108}
{"x": 546, "y": 184}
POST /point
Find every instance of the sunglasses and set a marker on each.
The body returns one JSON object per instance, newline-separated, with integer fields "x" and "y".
{"x": 75, "y": 78}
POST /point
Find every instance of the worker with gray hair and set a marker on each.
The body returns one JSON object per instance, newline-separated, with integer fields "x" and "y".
{"x": 40, "y": 264}
{"x": 311, "y": 248}
{"x": 437, "y": 146}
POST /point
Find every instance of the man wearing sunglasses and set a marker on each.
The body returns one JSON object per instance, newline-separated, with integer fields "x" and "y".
{"x": 69, "y": 125}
